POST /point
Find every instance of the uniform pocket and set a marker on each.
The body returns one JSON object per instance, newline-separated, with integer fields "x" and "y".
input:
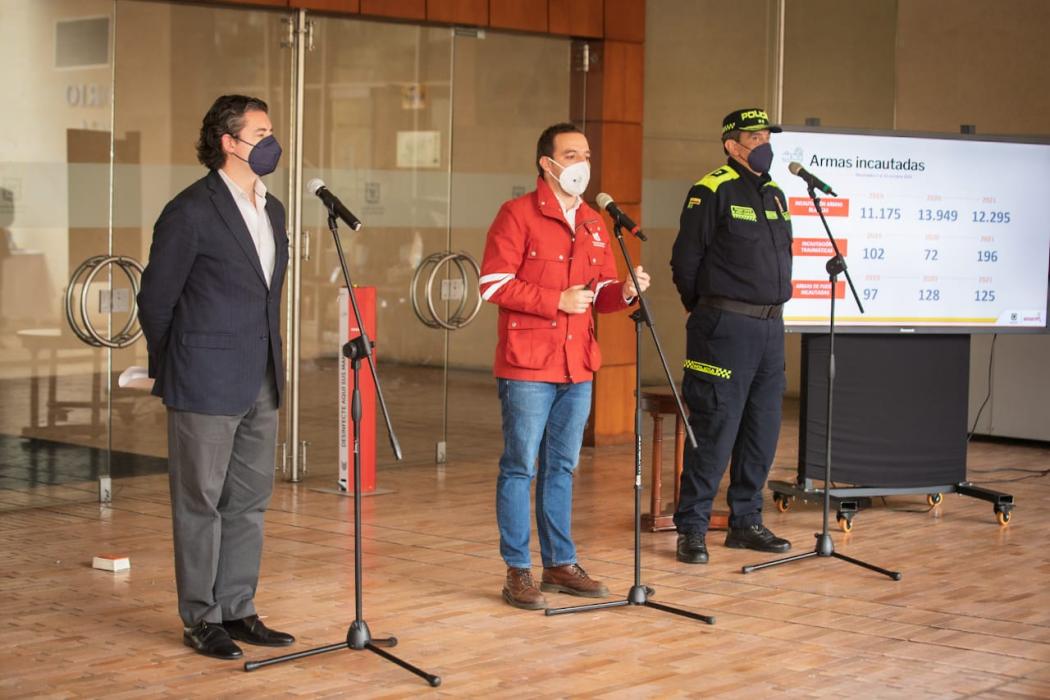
{"x": 700, "y": 394}
{"x": 592, "y": 355}
{"x": 547, "y": 264}
{"x": 703, "y": 321}
{"x": 531, "y": 342}
{"x": 596, "y": 259}
{"x": 742, "y": 243}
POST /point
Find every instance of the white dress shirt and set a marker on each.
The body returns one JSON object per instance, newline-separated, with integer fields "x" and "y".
{"x": 257, "y": 221}
{"x": 570, "y": 213}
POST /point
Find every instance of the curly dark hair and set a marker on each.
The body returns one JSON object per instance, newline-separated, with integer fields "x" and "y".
{"x": 545, "y": 146}
{"x": 226, "y": 116}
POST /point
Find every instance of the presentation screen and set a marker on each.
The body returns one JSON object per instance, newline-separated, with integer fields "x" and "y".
{"x": 940, "y": 234}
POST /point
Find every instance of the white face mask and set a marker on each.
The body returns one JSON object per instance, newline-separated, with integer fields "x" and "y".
{"x": 574, "y": 178}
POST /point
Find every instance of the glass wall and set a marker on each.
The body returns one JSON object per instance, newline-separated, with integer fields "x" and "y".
{"x": 377, "y": 131}
{"x": 427, "y": 131}
{"x": 172, "y": 61}
{"x": 507, "y": 89}
{"x": 422, "y": 131}
{"x": 54, "y": 211}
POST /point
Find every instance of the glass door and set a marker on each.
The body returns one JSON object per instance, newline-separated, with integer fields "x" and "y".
{"x": 110, "y": 100}
{"x": 507, "y": 88}
{"x": 172, "y": 62}
{"x": 424, "y": 132}
{"x": 376, "y": 130}
{"x": 54, "y": 206}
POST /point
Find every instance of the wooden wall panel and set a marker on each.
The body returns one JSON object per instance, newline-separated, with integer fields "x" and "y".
{"x": 623, "y": 65}
{"x": 616, "y": 161}
{"x": 523, "y": 15}
{"x": 581, "y": 18}
{"x": 613, "y": 95}
{"x": 620, "y": 167}
{"x": 625, "y": 20}
{"x": 257, "y": 3}
{"x": 616, "y": 331}
{"x": 344, "y": 7}
{"x": 471, "y": 12}
{"x": 612, "y": 418}
{"x": 400, "y": 9}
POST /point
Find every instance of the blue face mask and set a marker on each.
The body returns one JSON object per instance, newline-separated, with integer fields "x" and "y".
{"x": 265, "y": 155}
{"x": 760, "y": 158}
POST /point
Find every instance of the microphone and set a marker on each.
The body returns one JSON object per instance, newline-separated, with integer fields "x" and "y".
{"x": 606, "y": 202}
{"x": 812, "y": 180}
{"x": 317, "y": 186}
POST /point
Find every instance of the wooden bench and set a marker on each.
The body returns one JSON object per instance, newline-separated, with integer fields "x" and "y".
{"x": 658, "y": 402}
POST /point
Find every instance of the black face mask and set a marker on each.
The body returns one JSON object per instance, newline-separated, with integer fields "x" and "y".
{"x": 265, "y": 155}
{"x": 760, "y": 158}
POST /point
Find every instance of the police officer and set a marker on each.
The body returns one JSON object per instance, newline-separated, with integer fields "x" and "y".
{"x": 731, "y": 264}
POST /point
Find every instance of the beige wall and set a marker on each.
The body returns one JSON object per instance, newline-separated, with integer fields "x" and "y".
{"x": 839, "y": 62}
{"x": 971, "y": 62}
{"x": 986, "y": 64}
{"x": 908, "y": 64}
{"x": 689, "y": 45}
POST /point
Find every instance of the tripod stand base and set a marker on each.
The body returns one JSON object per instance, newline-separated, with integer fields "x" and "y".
{"x": 358, "y": 638}
{"x": 638, "y": 595}
{"x": 825, "y": 548}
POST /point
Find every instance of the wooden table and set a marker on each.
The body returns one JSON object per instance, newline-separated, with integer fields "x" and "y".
{"x": 657, "y": 403}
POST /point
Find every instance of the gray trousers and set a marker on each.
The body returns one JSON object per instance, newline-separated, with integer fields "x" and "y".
{"x": 221, "y": 471}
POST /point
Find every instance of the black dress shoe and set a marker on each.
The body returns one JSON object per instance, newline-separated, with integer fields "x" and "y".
{"x": 252, "y": 631}
{"x": 211, "y": 639}
{"x": 758, "y": 538}
{"x": 691, "y": 548}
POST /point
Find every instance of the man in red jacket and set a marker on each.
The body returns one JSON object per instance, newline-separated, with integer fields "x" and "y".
{"x": 548, "y": 260}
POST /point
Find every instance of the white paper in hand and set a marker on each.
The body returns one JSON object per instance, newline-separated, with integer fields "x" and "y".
{"x": 135, "y": 377}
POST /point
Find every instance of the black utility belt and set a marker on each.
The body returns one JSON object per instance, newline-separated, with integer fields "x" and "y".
{"x": 742, "y": 307}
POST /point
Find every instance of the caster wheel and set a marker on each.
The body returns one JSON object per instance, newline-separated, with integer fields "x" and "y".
{"x": 845, "y": 523}
{"x": 783, "y": 503}
{"x": 1002, "y": 516}
{"x": 934, "y": 499}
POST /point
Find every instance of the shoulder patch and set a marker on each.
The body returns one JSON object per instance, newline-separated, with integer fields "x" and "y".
{"x": 693, "y": 202}
{"x": 716, "y": 177}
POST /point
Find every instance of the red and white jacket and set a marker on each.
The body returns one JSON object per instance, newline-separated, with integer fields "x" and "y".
{"x": 531, "y": 255}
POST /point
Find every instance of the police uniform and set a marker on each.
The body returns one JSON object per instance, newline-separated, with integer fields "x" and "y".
{"x": 731, "y": 264}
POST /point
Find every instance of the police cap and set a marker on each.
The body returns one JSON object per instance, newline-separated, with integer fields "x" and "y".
{"x": 748, "y": 119}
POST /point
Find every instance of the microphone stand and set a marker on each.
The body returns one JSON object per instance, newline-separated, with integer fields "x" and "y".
{"x": 640, "y": 594}
{"x": 825, "y": 547}
{"x": 358, "y": 636}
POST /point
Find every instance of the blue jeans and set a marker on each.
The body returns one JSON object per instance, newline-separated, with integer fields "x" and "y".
{"x": 545, "y": 421}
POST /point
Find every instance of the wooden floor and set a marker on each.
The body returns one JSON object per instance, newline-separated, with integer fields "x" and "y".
{"x": 971, "y": 617}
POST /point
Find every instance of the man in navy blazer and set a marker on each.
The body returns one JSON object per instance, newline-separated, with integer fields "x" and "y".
{"x": 210, "y": 307}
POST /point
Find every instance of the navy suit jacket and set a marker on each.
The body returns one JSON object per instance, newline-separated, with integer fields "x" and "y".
{"x": 211, "y": 324}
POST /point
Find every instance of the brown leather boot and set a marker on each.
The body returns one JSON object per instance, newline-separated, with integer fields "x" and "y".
{"x": 521, "y": 592}
{"x": 572, "y": 579}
